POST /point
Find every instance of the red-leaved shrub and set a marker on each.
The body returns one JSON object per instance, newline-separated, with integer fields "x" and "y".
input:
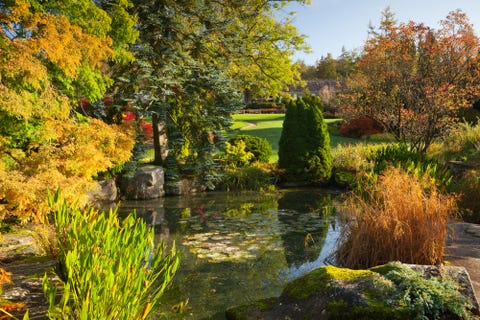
{"x": 129, "y": 117}
{"x": 359, "y": 127}
{"x": 147, "y": 129}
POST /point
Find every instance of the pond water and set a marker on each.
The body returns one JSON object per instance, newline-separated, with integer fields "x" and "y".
{"x": 238, "y": 247}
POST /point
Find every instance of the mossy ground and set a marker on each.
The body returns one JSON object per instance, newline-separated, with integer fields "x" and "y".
{"x": 244, "y": 312}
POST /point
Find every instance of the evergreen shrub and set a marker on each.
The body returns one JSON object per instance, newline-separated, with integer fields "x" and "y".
{"x": 418, "y": 297}
{"x": 304, "y": 147}
{"x": 265, "y": 105}
{"x": 259, "y": 147}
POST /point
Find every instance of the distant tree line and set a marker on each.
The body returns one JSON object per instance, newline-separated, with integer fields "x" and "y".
{"x": 328, "y": 67}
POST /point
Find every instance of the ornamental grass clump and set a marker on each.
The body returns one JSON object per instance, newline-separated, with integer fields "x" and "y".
{"x": 402, "y": 217}
{"x": 108, "y": 269}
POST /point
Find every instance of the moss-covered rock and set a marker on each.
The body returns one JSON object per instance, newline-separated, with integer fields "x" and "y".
{"x": 320, "y": 280}
{"x": 251, "y": 310}
{"x": 391, "y": 291}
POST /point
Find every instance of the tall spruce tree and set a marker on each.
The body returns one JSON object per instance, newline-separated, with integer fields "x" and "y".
{"x": 194, "y": 59}
{"x": 304, "y": 150}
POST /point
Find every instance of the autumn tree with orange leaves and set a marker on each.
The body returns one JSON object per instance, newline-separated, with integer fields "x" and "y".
{"x": 413, "y": 79}
{"x": 52, "y": 54}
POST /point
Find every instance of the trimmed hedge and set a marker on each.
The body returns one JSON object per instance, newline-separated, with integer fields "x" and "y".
{"x": 265, "y": 105}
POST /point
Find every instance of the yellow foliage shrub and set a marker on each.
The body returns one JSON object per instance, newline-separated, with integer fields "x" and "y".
{"x": 48, "y": 62}
{"x": 76, "y": 152}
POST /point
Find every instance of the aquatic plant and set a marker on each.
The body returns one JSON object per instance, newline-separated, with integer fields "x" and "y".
{"x": 108, "y": 269}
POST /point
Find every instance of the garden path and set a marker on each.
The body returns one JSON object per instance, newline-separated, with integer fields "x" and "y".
{"x": 463, "y": 249}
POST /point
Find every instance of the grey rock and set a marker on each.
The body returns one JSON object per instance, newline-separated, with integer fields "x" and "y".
{"x": 146, "y": 183}
{"x": 106, "y": 192}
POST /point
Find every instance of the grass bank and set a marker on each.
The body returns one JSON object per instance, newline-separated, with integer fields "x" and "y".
{"x": 269, "y": 126}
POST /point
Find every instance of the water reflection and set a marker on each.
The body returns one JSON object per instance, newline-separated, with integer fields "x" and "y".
{"x": 303, "y": 216}
{"x": 237, "y": 248}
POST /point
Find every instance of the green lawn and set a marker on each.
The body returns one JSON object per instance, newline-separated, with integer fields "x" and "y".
{"x": 269, "y": 126}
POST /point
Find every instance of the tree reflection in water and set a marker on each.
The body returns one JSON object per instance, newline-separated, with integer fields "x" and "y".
{"x": 236, "y": 247}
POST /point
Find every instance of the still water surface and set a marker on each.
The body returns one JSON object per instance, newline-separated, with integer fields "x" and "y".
{"x": 239, "y": 247}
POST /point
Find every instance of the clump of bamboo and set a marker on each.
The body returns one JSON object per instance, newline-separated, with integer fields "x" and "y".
{"x": 401, "y": 217}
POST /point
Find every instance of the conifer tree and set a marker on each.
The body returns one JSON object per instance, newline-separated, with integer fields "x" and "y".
{"x": 304, "y": 148}
{"x": 194, "y": 59}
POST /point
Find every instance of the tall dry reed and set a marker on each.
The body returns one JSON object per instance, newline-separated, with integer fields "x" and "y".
{"x": 404, "y": 219}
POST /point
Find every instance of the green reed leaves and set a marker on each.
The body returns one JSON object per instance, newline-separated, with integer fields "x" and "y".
{"x": 108, "y": 269}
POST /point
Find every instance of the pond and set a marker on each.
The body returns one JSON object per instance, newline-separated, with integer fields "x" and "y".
{"x": 238, "y": 247}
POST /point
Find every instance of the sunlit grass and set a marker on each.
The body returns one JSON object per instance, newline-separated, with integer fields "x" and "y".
{"x": 269, "y": 126}
{"x": 239, "y": 125}
{"x": 258, "y": 117}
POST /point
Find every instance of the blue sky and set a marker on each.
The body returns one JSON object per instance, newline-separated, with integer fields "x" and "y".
{"x": 331, "y": 24}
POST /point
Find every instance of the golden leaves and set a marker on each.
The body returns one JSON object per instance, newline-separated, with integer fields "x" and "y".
{"x": 76, "y": 152}
{"x": 65, "y": 45}
{"x": 39, "y": 45}
{"x": 25, "y": 104}
{"x": 45, "y": 62}
{"x": 20, "y": 9}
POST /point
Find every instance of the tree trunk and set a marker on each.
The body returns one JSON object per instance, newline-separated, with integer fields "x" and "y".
{"x": 160, "y": 140}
